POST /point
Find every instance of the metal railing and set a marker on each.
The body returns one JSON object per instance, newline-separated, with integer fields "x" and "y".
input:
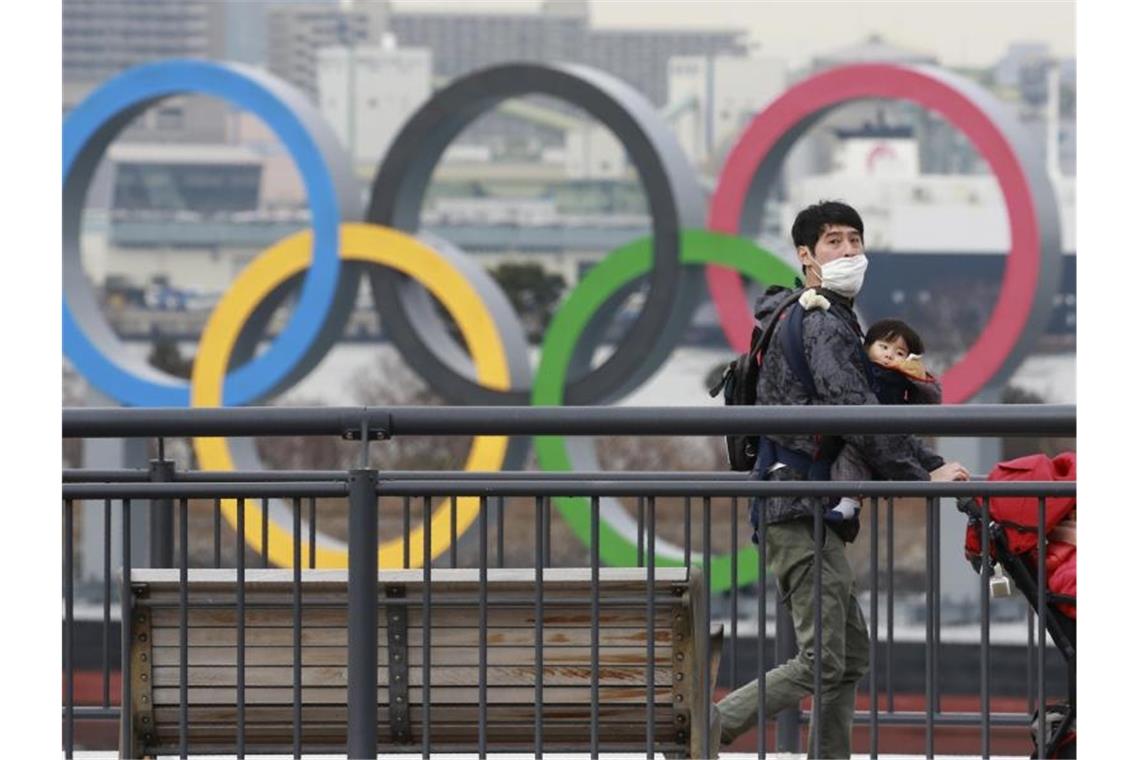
{"x": 360, "y": 490}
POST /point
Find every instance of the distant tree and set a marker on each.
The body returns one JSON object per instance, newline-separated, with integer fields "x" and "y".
{"x": 534, "y": 292}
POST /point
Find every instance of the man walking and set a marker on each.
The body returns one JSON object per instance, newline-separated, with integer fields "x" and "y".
{"x": 829, "y": 244}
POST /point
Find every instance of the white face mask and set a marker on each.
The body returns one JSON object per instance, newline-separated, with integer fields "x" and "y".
{"x": 844, "y": 276}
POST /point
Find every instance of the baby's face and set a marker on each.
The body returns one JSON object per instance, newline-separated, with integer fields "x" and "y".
{"x": 887, "y": 353}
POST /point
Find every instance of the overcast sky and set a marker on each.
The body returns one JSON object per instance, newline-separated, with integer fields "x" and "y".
{"x": 959, "y": 33}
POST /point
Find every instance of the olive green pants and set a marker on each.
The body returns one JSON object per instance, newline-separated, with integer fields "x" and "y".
{"x": 844, "y": 646}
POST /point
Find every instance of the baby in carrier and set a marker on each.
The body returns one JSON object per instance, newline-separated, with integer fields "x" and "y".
{"x": 898, "y": 377}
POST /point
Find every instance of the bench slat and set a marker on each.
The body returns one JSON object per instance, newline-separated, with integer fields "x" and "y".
{"x": 338, "y": 714}
{"x": 442, "y": 695}
{"x": 443, "y": 579}
{"x": 497, "y": 617}
{"x": 460, "y": 637}
{"x": 554, "y": 675}
{"x": 440, "y": 656}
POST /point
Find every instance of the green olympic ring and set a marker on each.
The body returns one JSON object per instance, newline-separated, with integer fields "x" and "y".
{"x": 620, "y": 268}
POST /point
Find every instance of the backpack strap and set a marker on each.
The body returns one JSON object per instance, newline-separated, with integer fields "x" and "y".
{"x": 760, "y": 341}
{"x": 817, "y": 466}
{"x": 792, "y": 341}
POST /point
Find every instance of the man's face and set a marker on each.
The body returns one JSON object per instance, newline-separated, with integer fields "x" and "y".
{"x": 837, "y": 241}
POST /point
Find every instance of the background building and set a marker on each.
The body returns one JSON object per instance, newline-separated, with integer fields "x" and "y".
{"x": 712, "y": 98}
{"x": 104, "y": 37}
{"x": 368, "y": 93}
{"x": 295, "y": 34}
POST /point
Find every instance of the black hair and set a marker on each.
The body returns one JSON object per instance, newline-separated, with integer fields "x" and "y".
{"x": 813, "y": 220}
{"x": 889, "y": 329}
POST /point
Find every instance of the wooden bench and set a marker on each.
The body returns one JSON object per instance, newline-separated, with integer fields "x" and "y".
{"x": 680, "y": 643}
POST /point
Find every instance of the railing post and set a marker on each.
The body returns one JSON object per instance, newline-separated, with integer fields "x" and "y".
{"x": 161, "y": 517}
{"x": 788, "y": 721}
{"x": 363, "y": 592}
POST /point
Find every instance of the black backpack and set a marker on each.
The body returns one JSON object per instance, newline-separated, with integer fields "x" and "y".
{"x": 738, "y": 383}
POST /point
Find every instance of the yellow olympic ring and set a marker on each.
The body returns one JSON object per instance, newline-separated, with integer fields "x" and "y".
{"x": 363, "y": 243}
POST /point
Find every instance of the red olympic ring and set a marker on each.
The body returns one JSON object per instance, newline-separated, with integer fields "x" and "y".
{"x": 767, "y": 136}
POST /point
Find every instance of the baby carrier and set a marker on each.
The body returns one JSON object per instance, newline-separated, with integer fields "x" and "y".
{"x": 1013, "y": 549}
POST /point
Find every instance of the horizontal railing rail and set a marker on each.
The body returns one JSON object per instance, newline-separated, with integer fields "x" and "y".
{"x": 970, "y": 420}
{"x": 537, "y": 485}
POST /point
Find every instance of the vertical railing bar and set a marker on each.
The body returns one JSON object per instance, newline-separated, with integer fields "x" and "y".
{"x": 241, "y": 628}
{"x": 734, "y": 600}
{"x": 594, "y": 614}
{"x": 936, "y": 547}
{"x": 426, "y": 615}
{"x": 539, "y": 532}
{"x": 125, "y": 637}
{"x": 264, "y": 532}
{"x": 688, "y": 532}
{"x": 453, "y": 517}
{"x": 407, "y": 532}
{"x": 183, "y": 628}
{"x": 547, "y": 523}
{"x": 706, "y": 660}
{"x": 161, "y": 514}
{"x": 762, "y": 638}
{"x": 817, "y": 623}
{"x": 499, "y": 518}
{"x": 106, "y": 603}
{"x": 1029, "y": 645}
{"x": 874, "y": 663}
{"x": 929, "y": 581}
{"x": 482, "y": 626}
{"x": 985, "y": 594}
{"x": 363, "y": 615}
{"x": 641, "y": 531}
{"x": 1042, "y": 581}
{"x": 650, "y": 627}
{"x": 217, "y": 533}
{"x": 890, "y": 603}
{"x": 297, "y": 622}
{"x": 68, "y": 622}
{"x": 312, "y": 532}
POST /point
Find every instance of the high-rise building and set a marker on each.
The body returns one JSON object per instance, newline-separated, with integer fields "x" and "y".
{"x": 1010, "y": 69}
{"x": 102, "y": 38}
{"x": 368, "y": 93}
{"x": 711, "y": 98}
{"x": 296, "y": 33}
{"x": 462, "y": 42}
{"x": 561, "y": 32}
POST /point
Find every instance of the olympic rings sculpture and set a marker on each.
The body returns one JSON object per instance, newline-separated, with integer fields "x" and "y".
{"x": 380, "y": 240}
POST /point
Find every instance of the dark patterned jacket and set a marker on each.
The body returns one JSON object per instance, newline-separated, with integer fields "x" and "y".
{"x": 834, "y": 350}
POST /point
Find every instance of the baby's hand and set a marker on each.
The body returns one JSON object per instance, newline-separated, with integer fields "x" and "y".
{"x": 912, "y": 365}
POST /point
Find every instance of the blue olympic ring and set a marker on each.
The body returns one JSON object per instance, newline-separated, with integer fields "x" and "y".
{"x": 90, "y": 127}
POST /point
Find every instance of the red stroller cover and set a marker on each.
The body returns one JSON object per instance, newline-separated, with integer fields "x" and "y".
{"x": 1018, "y": 517}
